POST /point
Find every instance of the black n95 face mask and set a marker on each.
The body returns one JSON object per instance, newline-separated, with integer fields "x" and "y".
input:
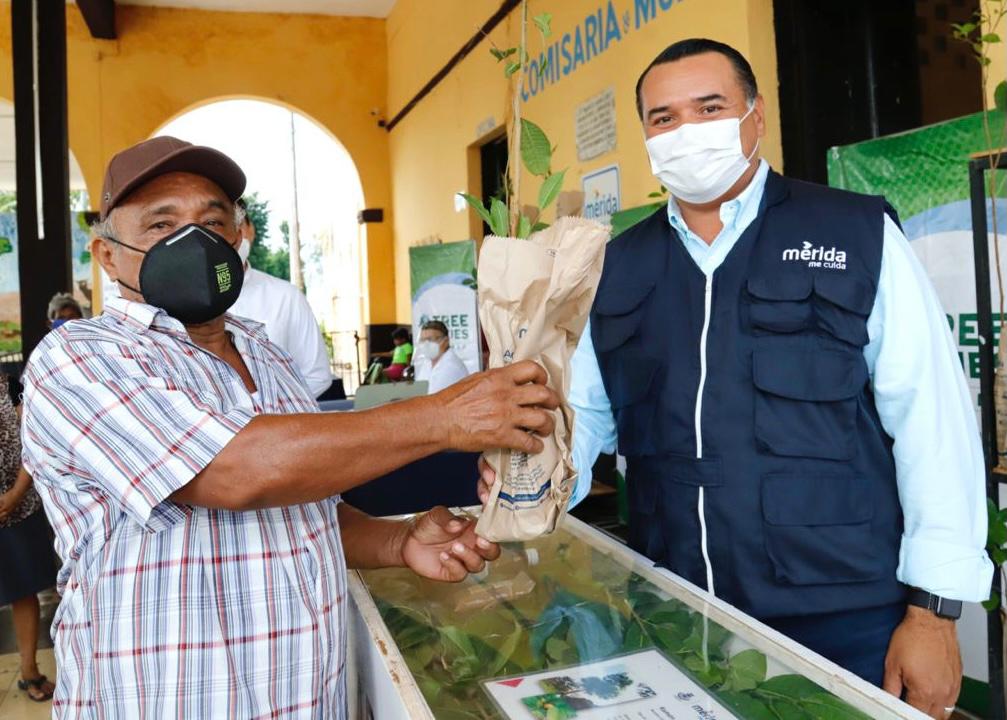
{"x": 193, "y": 274}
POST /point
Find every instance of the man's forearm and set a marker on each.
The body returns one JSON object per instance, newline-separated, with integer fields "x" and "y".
{"x": 290, "y": 459}
{"x": 370, "y": 542}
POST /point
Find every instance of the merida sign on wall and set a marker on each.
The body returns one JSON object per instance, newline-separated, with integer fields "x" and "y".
{"x": 594, "y": 35}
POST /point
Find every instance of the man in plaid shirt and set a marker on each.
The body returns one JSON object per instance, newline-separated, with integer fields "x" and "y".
{"x": 193, "y": 486}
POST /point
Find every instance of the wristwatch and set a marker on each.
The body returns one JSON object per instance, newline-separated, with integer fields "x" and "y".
{"x": 941, "y": 607}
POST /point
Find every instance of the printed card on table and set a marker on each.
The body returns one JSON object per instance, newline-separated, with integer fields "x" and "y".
{"x": 640, "y": 686}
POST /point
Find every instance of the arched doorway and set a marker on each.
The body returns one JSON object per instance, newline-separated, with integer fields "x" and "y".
{"x": 10, "y": 280}
{"x": 311, "y": 190}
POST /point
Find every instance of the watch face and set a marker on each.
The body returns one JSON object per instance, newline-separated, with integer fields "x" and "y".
{"x": 949, "y": 609}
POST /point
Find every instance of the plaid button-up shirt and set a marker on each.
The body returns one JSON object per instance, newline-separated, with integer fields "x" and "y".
{"x": 172, "y": 611}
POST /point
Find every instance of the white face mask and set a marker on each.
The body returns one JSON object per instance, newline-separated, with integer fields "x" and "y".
{"x": 244, "y": 249}
{"x": 429, "y": 349}
{"x": 699, "y": 162}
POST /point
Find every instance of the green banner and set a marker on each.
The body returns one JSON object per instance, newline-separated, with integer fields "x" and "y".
{"x": 924, "y": 175}
{"x": 442, "y": 279}
{"x": 429, "y": 261}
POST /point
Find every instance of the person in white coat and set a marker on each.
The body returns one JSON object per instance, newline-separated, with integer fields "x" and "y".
{"x": 435, "y": 361}
{"x": 285, "y": 312}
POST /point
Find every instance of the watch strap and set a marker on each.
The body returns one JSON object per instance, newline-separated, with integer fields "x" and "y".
{"x": 941, "y": 607}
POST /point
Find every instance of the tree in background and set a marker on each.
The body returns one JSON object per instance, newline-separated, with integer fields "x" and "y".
{"x": 281, "y": 258}
{"x": 275, "y": 262}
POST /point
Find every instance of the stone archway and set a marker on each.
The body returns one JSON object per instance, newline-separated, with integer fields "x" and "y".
{"x": 258, "y": 134}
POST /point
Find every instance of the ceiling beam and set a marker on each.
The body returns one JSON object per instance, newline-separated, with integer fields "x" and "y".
{"x": 100, "y": 17}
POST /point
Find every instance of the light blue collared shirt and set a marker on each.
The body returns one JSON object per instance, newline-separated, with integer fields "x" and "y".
{"x": 919, "y": 390}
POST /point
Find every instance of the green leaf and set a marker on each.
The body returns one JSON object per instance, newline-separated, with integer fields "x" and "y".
{"x": 6, "y": 246}
{"x": 712, "y": 676}
{"x": 523, "y": 227}
{"x": 967, "y": 28}
{"x": 512, "y": 67}
{"x": 502, "y": 54}
{"x": 669, "y": 638}
{"x": 556, "y": 648}
{"x": 696, "y": 663}
{"x": 424, "y": 654}
{"x": 998, "y": 555}
{"x": 507, "y": 650}
{"x": 747, "y": 706}
{"x": 429, "y": 687}
{"x": 655, "y": 194}
{"x": 544, "y": 24}
{"x": 990, "y": 38}
{"x": 550, "y": 189}
{"x": 996, "y": 533}
{"x": 539, "y": 226}
{"x": 790, "y": 687}
{"x": 1000, "y": 96}
{"x": 636, "y": 639}
{"x": 746, "y": 670}
{"x": 477, "y": 205}
{"x": 413, "y": 636}
{"x": 625, "y": 219}
{"x": 828, "y": 707}
{"x": 85, "y": 257}
{"x": 464, "y": 667}
{"x": 707, "y": 638}
{"x": 992, "y": 603}
{"x": 455, "y": 637}
{"x": 536, "y": 153}
{"x": 499, "y": 218}
{"x": 787, "y": 711}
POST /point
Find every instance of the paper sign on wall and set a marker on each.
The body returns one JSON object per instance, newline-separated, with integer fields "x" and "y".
{"x": 596, "y": 126}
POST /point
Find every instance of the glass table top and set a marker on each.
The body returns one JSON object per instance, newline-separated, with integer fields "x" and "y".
{"x": 578, "y": 602}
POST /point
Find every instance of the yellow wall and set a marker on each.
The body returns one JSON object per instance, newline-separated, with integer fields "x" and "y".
{"x": 167, "y": 61}
{"x": 429, "y": 154}
{"x": 998, "y": 56}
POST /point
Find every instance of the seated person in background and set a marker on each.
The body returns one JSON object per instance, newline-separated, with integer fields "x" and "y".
{"x": 435, "y": 361}
{"x": 402, "y": 355}
{"x": 63, "y": 308}
{"x": 285, "y": 312}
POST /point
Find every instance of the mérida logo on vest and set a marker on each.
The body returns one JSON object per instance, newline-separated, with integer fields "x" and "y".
{"x": 831, "y": 259}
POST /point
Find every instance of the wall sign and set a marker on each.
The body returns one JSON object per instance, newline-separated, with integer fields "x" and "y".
{"x": 595, "y": 121}
{"x": 602, "y": 195}
{"x": 601, "y": 29}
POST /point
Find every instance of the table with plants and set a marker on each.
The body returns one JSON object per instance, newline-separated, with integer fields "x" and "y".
{"x": 573, "y": 599}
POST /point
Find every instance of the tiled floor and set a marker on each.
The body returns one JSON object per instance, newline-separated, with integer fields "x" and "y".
{"x": 14, "y": 704}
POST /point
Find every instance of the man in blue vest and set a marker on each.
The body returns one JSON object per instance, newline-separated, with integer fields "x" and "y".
{"x": 773, "y": 363}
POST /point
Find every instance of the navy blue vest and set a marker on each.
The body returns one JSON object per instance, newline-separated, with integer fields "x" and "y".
{"x": 767, "y": 456}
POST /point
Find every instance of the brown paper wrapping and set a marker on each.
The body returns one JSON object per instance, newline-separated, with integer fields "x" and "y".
{"x": 534, "y": 300}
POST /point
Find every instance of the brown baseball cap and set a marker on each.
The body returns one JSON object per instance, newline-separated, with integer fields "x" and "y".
{"x": 145, "y": 161}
